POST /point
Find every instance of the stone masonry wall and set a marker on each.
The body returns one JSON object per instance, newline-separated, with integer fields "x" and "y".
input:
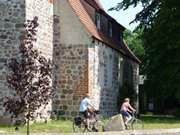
{"x": 72, "y": 79}
{"x": 104, "y": 72}
{"x": 13, "y": 15}
{"x": 131, "y": 76}
{"x": 12, "y": 18}
{"x": 79, "y": 67}
{"x": 43, "y": 9}
{"x": 136, "y": 82}
{"x": 70, "y": 58}
{"x": 135, "y": 75}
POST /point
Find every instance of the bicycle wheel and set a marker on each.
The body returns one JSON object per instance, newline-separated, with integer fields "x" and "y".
{"x": 79, "y": 127}
{"x": 128, "y": 126}
{"x": 137, "y": 124}
{"x": 97, "y": 126}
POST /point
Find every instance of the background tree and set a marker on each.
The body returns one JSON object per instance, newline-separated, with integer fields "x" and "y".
{"x": 29, "y": 78}
{"x": 134, "y": 41}
{"x": 146, "y": 16}
{"x": 160, "y": 20}
{"x": 162, "y": 65}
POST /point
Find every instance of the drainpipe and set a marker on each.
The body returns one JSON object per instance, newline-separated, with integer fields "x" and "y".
{"x": 137, "y": 90}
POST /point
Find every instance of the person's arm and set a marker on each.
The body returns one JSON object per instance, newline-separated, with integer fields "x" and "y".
{"x": 90, "y": 105}
{"x": 131, "y": 108}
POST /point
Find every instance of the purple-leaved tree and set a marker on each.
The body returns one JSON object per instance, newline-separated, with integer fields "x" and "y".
{"x": 29, "y": 78}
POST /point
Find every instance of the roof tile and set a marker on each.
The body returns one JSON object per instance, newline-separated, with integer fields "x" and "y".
{"x": 85, "y": 15}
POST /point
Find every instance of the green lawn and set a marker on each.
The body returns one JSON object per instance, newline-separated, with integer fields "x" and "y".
{"x": 50, "y": 127}
{"x": 150, "y": 122}
{"x": 160, "y": 121}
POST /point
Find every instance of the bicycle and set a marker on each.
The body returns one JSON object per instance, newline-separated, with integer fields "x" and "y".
{"x": 79, "y": 124}
{"x": 134, "y": 123}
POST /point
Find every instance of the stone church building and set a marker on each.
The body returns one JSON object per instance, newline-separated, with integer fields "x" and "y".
{"x": 85, "y": 44}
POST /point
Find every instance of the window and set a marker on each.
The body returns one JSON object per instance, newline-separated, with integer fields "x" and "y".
{"x": 98, "y": 21}
{"x": 104, "y": 24}
{"x": 110, "y": 29}
{"x": 121, "y": 37}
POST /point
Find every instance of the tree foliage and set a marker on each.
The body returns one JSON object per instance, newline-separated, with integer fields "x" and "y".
{"x": 134, "y": 41}
{"x": 147, "y": 15}
{"x": 162, "y": 45}
{"x": 29, "y": 77}
{"x": 161, "y": 42}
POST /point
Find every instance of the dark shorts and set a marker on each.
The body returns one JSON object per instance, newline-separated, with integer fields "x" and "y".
{"x": 124, "y": 113}
{"x": 85, "y": 114}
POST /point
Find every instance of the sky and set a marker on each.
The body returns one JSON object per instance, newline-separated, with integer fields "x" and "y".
{"x": 123, "y": 17}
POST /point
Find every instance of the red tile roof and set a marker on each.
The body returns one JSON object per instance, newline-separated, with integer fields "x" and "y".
{"x": 84, "y": 13}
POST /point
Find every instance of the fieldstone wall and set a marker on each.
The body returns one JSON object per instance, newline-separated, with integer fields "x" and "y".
{"x": 130, "y": 76}
{"x": 71, "y": 60}
{"x": 93, "y": 68}
{"x": 12, "y": 18}
{"x": 56, "y": 62}
{"x": 13, "y": 15}
{"x": 78, "y": 66}
{"x": 72, "y": 79}
{"x": 136, "y": 83}
{"x": 104, "y": 78}
{"x": 43, "y": 9}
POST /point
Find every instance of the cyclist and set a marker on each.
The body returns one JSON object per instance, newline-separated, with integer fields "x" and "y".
{"x": 86, "y": 108}
{"x": 126, "y": 109}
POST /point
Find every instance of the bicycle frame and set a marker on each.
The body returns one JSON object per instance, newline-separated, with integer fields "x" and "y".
{"x": 81, "y": 125}
{"x": 134, "y": 123}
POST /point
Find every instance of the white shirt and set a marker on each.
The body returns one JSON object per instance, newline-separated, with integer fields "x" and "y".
{"x": 125, "y": 107}
{"x": 84, "y": 104}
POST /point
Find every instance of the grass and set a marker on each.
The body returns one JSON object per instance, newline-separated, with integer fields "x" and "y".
{"x": 160, "y": 121}
{"x": 64, "y": 126}
{"x": 53, "y": 126}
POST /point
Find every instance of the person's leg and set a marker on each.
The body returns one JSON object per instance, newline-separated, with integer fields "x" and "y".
{"x": 128, "y": 118}
{"x": 87, "y": 116}
{"x": 125, "y": 117}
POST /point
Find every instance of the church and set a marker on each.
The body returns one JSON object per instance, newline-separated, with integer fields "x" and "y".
{"x": 85, "y": 44}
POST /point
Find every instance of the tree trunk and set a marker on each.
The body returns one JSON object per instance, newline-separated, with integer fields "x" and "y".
{"x": 28, "y": 126}
{"x": 28, "y": 119}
